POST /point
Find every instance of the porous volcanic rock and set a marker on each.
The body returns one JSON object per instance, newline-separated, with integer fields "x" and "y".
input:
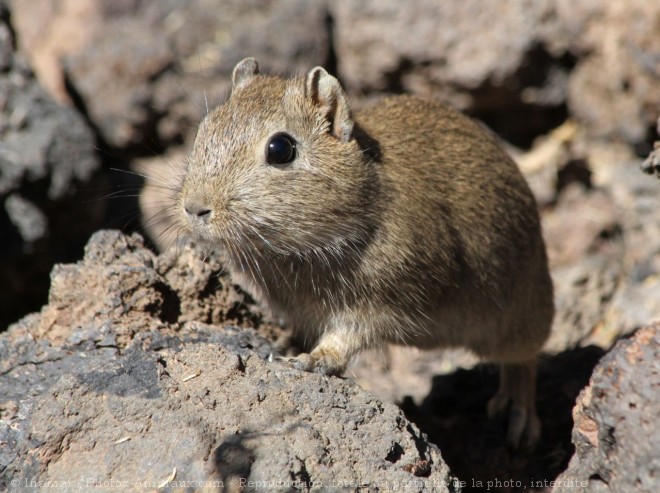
{"x": 110, "y": 387}
{"x": 47, "y": 168}
{"x": 521, "y": 66}
{"x": 615, "y": 88}
{"x": 146, "y": 71}
{"x": 539, "y": 61}
{"x": 616, "y": 434}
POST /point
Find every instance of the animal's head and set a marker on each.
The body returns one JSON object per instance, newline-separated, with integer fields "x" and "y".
{"x": 277, "y": 167}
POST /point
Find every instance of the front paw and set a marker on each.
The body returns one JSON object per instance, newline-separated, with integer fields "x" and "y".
{"x": 324, "y": 362}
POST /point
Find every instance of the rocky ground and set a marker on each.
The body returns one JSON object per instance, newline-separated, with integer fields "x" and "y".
{"x": 136, "y": 366}
{"x": 143, "y": 377}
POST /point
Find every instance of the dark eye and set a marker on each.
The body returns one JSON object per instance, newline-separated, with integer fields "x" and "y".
{"x": 281, "y": 149}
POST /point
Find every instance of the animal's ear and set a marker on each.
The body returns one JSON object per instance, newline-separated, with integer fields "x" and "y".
{"x": 243, "y": 72}
{"x": 327, "y": 93}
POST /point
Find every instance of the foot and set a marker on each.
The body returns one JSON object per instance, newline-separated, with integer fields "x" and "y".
{"x": 516, "y": 401}
{"x": 320, "y": 363}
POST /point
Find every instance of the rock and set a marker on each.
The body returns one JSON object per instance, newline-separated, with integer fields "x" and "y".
{"x": 521, "y": 67}
{"x": 651, "y": 164}
{"x": 6, "y": 38}
{"x": 181, "y": 56}
{"x": 237, "y": 420}
{"x": 543, "y": 163}
{"x": 592, "y": 214}
{"x": 494, "y": 60}
{"x": 603, "y": 242}
{"x": 379, "y": 46}
{"x": 453, "y": 414}
{"x": 583, "y": 294}
{"x": 585, "y": 249}
{"x": 31, "y": 223}
{"x": 49, "y": 32}
{"x": 615, "y": 433}
{"x": 637, "y": 299}
{"x": 47, "y": 168}
{"x": 615, "y": 89}
{"x": 129, "y": 290}
{"x": 111, "y": 383}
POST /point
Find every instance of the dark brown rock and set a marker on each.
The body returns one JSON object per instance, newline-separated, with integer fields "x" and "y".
{"x": 490, "y": 59}
{"x": 47, "y": 166}
{"x": 145, "y": 71}
{"x": 109, "y": 384}
{"x": 616, "y": 435}
{"x": 6, "y": 38}
{"x": 520, "y": 66}
{"x": 128, "y": 291}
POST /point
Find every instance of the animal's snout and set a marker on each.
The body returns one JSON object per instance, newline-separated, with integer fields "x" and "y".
{"x": 197, "y": 211}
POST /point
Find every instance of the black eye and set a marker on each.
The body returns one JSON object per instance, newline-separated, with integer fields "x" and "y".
{"x": 281, "y": 149}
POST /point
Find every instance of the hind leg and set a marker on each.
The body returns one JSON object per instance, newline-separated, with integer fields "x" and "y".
{"x": 516, "y": 399}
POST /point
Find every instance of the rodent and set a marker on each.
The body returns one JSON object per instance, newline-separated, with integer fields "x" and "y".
{"x": 402, "y": 223}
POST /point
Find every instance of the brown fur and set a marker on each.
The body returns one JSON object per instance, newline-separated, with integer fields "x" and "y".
{"x": 403, "y": 224}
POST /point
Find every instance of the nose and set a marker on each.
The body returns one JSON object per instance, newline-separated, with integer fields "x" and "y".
{"x": 197, "y": 211}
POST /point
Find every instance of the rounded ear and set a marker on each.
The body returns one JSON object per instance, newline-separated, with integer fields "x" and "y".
{"x": 244, "y": 71}
{"x": 326, "y": 92}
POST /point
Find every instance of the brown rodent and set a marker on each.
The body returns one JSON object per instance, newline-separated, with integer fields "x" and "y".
{"x": 404, "y": 223}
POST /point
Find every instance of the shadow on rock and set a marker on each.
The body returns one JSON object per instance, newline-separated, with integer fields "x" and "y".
{"x": 453, "y": 415}
{"x": 233, "y": 461}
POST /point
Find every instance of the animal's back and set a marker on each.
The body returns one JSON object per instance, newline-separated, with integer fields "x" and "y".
{"x": 459, "y": 212}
